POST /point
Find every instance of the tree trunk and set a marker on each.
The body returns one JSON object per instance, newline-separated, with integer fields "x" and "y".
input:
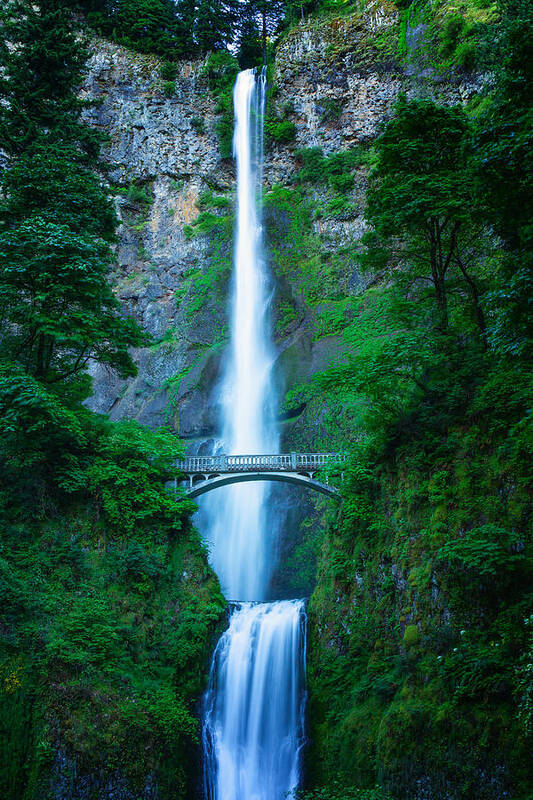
{"x": 438, "y": 278}
{"x": 480, "y": 317}
{"x": 264, "y": 16}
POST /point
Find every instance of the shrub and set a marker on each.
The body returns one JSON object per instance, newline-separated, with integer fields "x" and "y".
{"x": 312, "y": 160}
{"x": 449, "y": 36}
{"x": 331, "y": 110}
{"x": 168, "y": 71}
{"x": 169, "y": 87}
{"x": 198, "y": 124}
{"x": 465, "y": 55}
{"x": 137, "y": 194}
{"x": 411, "y": 636}
{"x": 281, "y": 131}
{"x": 487, "y": 551}
{"x": 336, "y": 169}
{"x": 221, "y": 70}
{"x": 342, "y": 183}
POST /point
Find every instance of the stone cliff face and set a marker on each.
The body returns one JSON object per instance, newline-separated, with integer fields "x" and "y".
{"x": 337, "y": 81}
{"x": 159, "y": 163}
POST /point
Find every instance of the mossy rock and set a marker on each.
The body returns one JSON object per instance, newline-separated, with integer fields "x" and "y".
{"x": 411, "y": 636}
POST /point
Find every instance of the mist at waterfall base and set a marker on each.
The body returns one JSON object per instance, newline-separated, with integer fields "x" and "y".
{"x": 254, "y": 706}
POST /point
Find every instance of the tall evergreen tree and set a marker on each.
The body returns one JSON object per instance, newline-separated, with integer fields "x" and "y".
{"x": 186, "y": 20}
{"x": 42, "y": 67}
{"x": 215, "y": 24}
{"x": 149, "y": 26}
{"x": 250, "y": 51}
{"x": 263, "y": 16}
{"x": 57, "y": 309}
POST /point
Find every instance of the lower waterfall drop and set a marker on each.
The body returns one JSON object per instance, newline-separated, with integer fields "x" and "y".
{"x": 254, "y": 706}
{"x": 253, "y": 729}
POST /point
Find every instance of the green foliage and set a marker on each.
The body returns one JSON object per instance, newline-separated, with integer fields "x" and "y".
{"x": 335, "y": 169}
{"x": 128, "y": 477}
{"x": 136, "y": 194}
{"x": 503, "y": 148}
{"x": 169, "y": 87}
{"x": 458, "y": 42}
{"x": 221, "y": 70}
{"x": 486, "y": 552}
{"x": 85, "y": 638}
{"x": 39, "y": 83}
{"x": 411, "y": 636}
{"x": 57, "y": 310}
{"x": 173, "y": 30}
{"x": 417, "y": 622}
{"x": 168, "y": 71}
{"x": 337, "y": 791}
{"x": 420, "y": 206}
{"x": 209, "y": 284}
{"x": 215, "y": 24}
{"x": 198, "y": 124}
{"x": 305, "y": 269}
{"x": 94, "y": 545}
{"x": 281, "y": 131}
{"x": 331, "y": 110}
{"x": 111, "y": 687}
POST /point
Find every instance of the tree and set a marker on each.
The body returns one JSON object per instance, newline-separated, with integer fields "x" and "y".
{"x": 263, "y": 16}
{"x": 504, "y": 160}
{"x": 56, "y": 218}
{"x": 56, "y": 308}
{"x": 215, "y": 21}
{"x": 150, "y": 26}
{"x": 42, "y": 68}
{"x": 420, "y": 208}
{"x": 250, "y": 52}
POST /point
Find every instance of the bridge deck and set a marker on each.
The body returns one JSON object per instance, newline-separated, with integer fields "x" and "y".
{"x": 280, "y": 462}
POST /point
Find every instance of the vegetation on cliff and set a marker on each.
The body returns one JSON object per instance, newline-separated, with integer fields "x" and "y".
{"x": 420, "y": 673}
{"x": 421, "y": 627}
{"x": 107, "y": 605}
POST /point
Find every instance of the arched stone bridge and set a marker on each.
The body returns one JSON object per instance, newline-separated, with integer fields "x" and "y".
{"x": 205, "y": 473}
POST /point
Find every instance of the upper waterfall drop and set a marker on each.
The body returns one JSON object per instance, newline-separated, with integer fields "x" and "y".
{"x": 240, "y": 541}
{"x": 248, "y": 398}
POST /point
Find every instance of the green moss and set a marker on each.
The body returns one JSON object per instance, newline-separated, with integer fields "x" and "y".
{"x": 411, "y": 636}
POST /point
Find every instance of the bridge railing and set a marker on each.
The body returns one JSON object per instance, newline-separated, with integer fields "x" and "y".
{"x": 281, "y": 462}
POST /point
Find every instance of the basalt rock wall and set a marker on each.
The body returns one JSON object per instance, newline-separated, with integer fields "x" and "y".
{"x": 163, "y": 153}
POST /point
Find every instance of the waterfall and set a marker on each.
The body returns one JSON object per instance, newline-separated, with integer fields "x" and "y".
{"x": 253, "y": 708}
{"x": 237, "y": 529}
{"x": 253, "y": 728}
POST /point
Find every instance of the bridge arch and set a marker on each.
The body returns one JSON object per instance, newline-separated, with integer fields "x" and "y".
{"x": 214, "y": 482}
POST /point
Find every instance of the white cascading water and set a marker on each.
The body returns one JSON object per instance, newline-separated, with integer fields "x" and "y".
{"x": 254, "y": 706}
{"x": 241, "y": 553}
{"x": 253, "y": 726}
